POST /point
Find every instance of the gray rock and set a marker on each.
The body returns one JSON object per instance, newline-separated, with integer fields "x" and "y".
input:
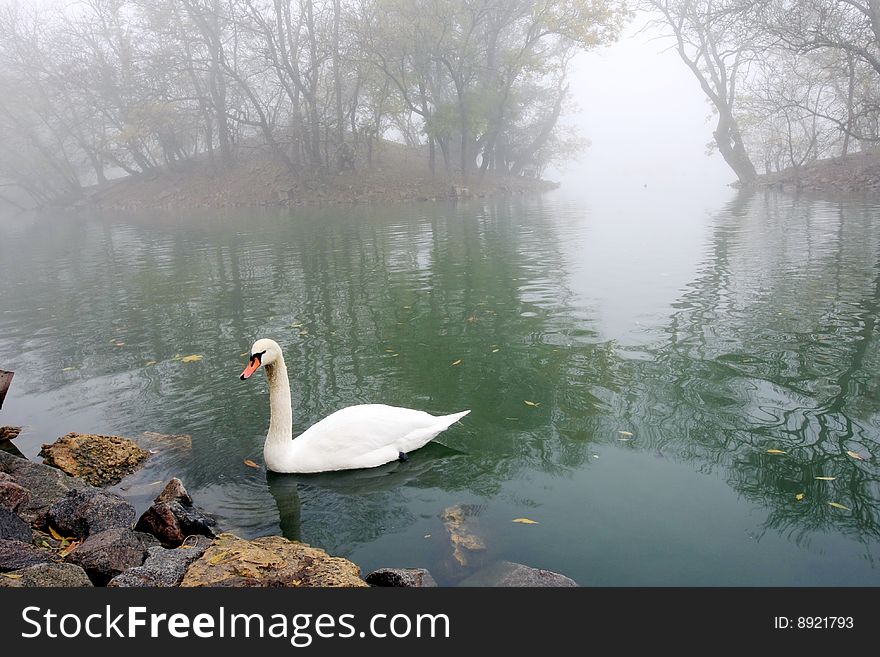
{"x": 403, "y": 577}
{"x": 47, "y": 574}
{"x": 17, "y": 554}
{"x": 11, "y": 494}
{"x": 163, "y": 567}
{"x": 45, "y": 485}
{"x": 82, "y": 513}
{"x": 106, "y": 554}
{"x": 172, "y": 517}
{"x": 506, "y": 573}
{"x": 14, "y": 528}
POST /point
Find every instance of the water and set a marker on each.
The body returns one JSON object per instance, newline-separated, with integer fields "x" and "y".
{"x": 709, "y": 333}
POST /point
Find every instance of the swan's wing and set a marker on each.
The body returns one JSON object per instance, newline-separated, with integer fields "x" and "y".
{"x": 365, "y": 436}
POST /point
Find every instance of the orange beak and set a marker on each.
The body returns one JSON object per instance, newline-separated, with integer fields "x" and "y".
{"x": 251, "y": 368}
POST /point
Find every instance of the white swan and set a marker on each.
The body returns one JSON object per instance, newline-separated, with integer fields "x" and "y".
{"x": 362, "y": 436}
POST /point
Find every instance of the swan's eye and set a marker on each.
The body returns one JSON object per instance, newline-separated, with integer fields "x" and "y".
{"x": 259, "y": 355}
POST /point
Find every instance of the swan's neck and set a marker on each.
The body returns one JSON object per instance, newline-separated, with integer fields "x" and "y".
{"x": 281, "y": 413}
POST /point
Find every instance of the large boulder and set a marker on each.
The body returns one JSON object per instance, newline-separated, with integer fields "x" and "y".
{"x": 14, "y": 528}
{"x": 106, "y": 554}
{"x": 18, "y": 554}
{"x": 96, "y": 459}
{"x": 269, "y": 561}
{"x": 163, "y": 567}
{"x": 82, "y": 513}
{"x": 12, "y": 495}
{"x": 506, "y": 573}
{"x": 172, "y": 517}
{"x": 401, "y": 577}
{"x": 45, "y": 485}
{"x": 46, "y": 574}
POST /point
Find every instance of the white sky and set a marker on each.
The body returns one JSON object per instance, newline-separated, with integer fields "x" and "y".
{"x": 646, "y": 117}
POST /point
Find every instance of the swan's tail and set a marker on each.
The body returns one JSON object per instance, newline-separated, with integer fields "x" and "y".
{"x": 421, "y": 437}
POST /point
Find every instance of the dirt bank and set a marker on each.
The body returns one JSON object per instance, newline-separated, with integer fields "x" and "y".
{"x": 398, "y": 174}
{"x": 857, "y": 172}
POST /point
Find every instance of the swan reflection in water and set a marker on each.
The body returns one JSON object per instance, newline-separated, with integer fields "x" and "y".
{"x": 332, "y": 509}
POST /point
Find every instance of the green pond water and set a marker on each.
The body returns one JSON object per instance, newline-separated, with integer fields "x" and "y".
{"x": 665, "y": 346}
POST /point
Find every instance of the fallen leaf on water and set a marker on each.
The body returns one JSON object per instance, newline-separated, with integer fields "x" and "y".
{"x": 799, "y": 497}
{"x": 531, "y": 403}
{"x": 390, "y": 351}
{"x": 526, "y": 521}
{"x": 67, "y": 369}
{"x": 775, "y": 451}
{"x": 495, "y": 351}
{"x": 119, "y": 343}
{"x": 394, "y": 355}
{"x": 407, "y": 307}
{"x": 595, "y": 456}
{"x": 250, "y": 464}
{"x": 427, "y": 536}
{"x": 855, "y": 455}
{"x": 150, "y": 362}
{"x": 826, "y": 478}
{"x": 838, "y": 506}
{"x": 191, "y": 359}
{"x": 456, "y": 362}
{"x": 625, "y": 433}
{"x": 243, "y": 354}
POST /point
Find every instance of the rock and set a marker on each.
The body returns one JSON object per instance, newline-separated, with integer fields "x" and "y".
{"x": 163, "y": 567}
{"x": 98, "y": 460}
{"x": 269, "y": 561}
{"x": 11, "y": 494}
{"x": 18, "y": 554}
{"x": 506, "y": 573}
{"x": 46, "y": 574}
{"x": 9, "y": 433}
{"x": 82, "y": 513}
{"x": 45, "y": 485}
{"x": 172, "y": 517}
{"x": 464, "y": 539}
{"x": 402, "y": 577}
{"x": 106, "y": 554}
{"x": 13, "y": 528}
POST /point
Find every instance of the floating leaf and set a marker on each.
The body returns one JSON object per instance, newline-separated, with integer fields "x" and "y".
{"x": 495, "y": 351}
{"x": 595, "y": 456}
{"x": 855, "y": 455}
{"x": 526, "y": 521}
{"x": 625, "y": 433}
{"x": 472, "y": 319}
{"x": 394, "y": 355}
{"x": 250, "y": 464}
{"x": 150, "y": 362}
{"x": 776, "y": 451}
{"x": 119, "y": 343}
{"x": 427, "y": 536}
{"x": 531, "y": 403}
{"x": 838, "y": 506}
{"x": 407, "y": 307}
{"x": 242, "y": 354}
{"x": 456, "y": 362}
{"x": 390, "y": 351}
{"x": 191, "y": 359}
{"x": 799, "y": 497}
{"x": 826, "y": 478}
{"x": 68, "y": 369}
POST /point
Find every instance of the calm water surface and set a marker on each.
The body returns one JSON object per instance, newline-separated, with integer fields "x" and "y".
{"x": 710, "y": 334}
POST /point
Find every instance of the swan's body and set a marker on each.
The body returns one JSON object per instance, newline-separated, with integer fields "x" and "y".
{"x": 362, "y": 436}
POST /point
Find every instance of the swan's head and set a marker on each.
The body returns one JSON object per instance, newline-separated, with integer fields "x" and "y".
{"x": 264, "y": 352}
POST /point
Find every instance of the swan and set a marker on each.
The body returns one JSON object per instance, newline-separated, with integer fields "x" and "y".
{"x": 361, "y": 436}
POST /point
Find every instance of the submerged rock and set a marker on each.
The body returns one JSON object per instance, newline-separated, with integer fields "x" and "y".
{"x": 46, "y": 574}
{"x": 18, "y": 554}
{"x": 401, "y": 577}
{"x": 96, "y": 459}
{"x": 14, "y": 528}
{"x": 269, "y": 561}
{"x": 82, "y": 513}
{"x": 507, "y": 573}
{"x": 163, "y": 567}
{"x": 172, "y": 517}
{"x": 45, "y": 485}
{"x": 464, "y": 539}
{"x": 106, "y": 554}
